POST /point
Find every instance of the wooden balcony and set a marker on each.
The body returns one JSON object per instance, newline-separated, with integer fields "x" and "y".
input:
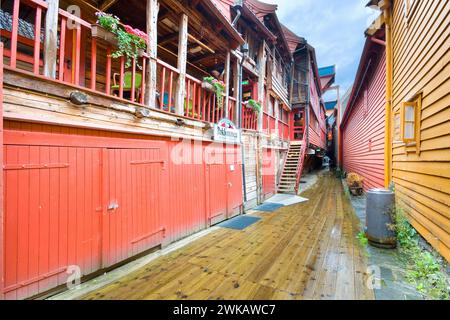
{"x": 78, "y": 61}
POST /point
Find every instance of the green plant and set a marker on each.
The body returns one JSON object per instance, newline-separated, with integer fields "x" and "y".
{"x": 255, "y": 105}
{"x": 130, "y": 40}
{"x": 362, "y": 239}
{"x": 219, "y": 89}
{"x": 424, "y": 267}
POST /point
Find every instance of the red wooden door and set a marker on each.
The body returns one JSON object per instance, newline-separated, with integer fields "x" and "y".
{"x": 224, "y": 183}
{"x": 133, "y": 193}
{"x": 52, "y": 216}
{"x": 268, "y": 172}
{"x": 216, "y": 176}
{"x": 234, "y": 190}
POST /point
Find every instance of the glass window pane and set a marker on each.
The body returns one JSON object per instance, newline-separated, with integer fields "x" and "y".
{"x": 409, "y": 113}
{"x": 409, "y": 130}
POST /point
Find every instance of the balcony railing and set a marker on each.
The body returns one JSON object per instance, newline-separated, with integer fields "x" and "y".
{"x": 84, "y": 61}
{"x": 249, "y": 118}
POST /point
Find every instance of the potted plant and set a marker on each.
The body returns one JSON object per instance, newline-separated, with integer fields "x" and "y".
{"x": 216, "y": 86}
{"x": 130, "y": 43}
{"x": 253, "y": 104}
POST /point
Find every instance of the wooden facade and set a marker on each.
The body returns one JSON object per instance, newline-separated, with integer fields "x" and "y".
{"x": 363, "y": 121}
{"x": 421, "y": 169}
{"x": 412, "y": 77}
{"x": 100, "y": 168}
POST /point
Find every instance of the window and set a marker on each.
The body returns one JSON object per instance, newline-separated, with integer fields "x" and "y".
{"x": 409, "y": 121}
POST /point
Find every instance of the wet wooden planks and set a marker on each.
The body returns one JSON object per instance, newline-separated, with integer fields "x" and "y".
{"x": 305, "y": 251}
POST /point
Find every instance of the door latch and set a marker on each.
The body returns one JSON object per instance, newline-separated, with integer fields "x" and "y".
{"x": 113, "y": 206}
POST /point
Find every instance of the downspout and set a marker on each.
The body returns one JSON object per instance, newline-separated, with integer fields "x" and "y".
{"x": 386, "y": 7}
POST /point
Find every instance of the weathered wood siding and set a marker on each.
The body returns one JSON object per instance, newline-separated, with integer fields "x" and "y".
{"x": 363, "y": 134}
{"x": 421, "y": 64}
{"x": 250, "y": 144}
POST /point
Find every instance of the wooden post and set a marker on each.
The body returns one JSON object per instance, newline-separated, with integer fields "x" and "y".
{"x": 2, "y": 218}
{"x": 227, "y": 83}
{"x": 237, "y": 88}
{"x": 152, "y": 23}
{"x": 51, "y": 38}
{"x": 182, "y": 61}
{"x": 262, "y": 58}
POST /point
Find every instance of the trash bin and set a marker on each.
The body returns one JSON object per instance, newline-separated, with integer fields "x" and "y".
{"x": 380, "y": 206}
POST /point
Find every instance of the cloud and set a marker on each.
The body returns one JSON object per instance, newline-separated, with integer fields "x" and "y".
{"x": 335, "y": 28}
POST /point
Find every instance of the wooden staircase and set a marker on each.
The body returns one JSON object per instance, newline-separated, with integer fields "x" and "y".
{"x": 293, "y": 167}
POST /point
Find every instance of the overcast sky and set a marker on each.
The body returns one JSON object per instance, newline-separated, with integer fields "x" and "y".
{"x": 334, "y": 27}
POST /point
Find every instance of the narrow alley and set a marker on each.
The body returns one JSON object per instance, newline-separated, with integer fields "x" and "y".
{"x": 303, "y": 251}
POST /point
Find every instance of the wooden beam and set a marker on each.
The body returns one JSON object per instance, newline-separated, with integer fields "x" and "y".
{"x": 227, "y": 81}
{"x": 152, "y": 48}
{"x": 51, "y": 38}
{"x": 169, "y": 38}
{"x": 237, "y": 88}
{"x": 106, "y": 4}
{"x": 182, "y": 62}
{"x": 201, "y": 44}
{"x": 262, "y": 58}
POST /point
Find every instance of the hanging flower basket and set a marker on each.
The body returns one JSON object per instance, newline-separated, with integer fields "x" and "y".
{"x": 216, "y": 86}
{"x": 254, "y": 105}
{"x": 130, "y": 43}
{"x": 98, "y": 32}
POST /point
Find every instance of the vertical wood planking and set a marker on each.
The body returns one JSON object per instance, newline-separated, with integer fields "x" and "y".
{"x": 108, "y": 71}
{"x": 2, "y": 217}
{"x": 62, "y": 47}
{"x": 14, "y": 33}
{"x": 37, "y": 40}
{"x": 93, "y": 63}
{"x": 181, "y": 63}
{"x": 51, "y": 39}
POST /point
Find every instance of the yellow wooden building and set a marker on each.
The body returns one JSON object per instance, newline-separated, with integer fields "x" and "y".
{"x": 417, "y": 145}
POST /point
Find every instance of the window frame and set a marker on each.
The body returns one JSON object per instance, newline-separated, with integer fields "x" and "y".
{"x": 416, "y": 104}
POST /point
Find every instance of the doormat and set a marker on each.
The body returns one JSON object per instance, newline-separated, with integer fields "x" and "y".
{"x": 269, "y": 207}
{"x": 286, "y": 199}
{"x": 239, "y": 223}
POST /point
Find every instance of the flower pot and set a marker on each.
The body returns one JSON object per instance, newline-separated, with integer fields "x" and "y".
{"x": 141, "y": 53}
{"x": 98, "y": 32}
{"x": 208, "y": 86}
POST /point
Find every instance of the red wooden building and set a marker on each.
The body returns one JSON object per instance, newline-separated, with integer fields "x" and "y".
{"x": 363, "y": 122}
{"x": 103, "y": 161}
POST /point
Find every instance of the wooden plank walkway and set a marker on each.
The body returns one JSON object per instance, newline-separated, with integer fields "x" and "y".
{"x": 304, "y": 251}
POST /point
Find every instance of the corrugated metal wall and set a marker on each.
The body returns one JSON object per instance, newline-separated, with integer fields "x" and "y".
{"x": 363, "y": 134}
{"x": 92, "y": 199}
{"x": 421, "y": 64}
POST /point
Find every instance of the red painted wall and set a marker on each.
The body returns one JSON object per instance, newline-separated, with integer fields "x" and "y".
{"x": 363, "y": 133}
{"x": 1, "y": 176}
{"x": 92, "y": 199}
{"x": 268, "y": 172}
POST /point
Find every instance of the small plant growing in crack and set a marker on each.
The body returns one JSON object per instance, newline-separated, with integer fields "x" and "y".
{"x": 363, "y": 241}
{"x": 424, "y": 267}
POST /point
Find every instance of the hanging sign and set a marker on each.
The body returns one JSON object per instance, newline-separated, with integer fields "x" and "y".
{"x": 226, "y": 131}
